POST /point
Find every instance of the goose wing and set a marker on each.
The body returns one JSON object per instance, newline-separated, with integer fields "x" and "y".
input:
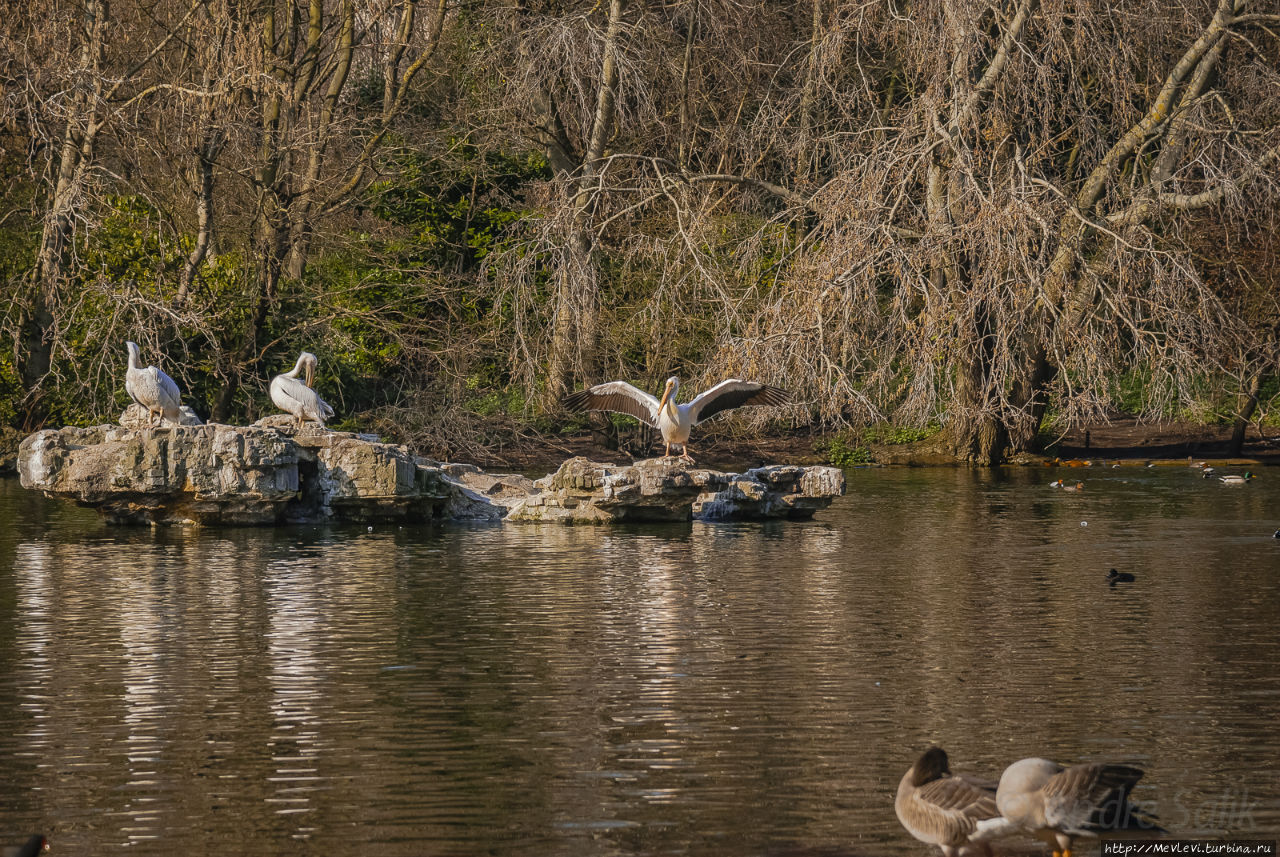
{"x": 734, "y": 393}
{"x": 949, "y": 811}
{"x": 1090, "y": 798}
{"x": 619, "y": 397}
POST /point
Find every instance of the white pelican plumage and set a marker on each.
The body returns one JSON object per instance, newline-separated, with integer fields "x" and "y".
{"x": 948, "y": 810}
{"x": 295, "y": 396}
{"x": 675, "y": 421}
{"x": 151, "y": 388}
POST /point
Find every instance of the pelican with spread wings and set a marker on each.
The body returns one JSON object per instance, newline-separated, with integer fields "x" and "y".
{"x": 675, "y": 421}
{"x": 294, "y": 396}
{"x": 152, "y": 389}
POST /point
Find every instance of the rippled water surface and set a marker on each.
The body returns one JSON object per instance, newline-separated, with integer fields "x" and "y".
{"x": 669, "y": 689}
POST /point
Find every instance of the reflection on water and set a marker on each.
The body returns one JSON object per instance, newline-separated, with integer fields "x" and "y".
{"x": 699, "y": 689}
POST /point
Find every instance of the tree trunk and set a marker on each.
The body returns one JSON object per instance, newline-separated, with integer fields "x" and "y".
{"x": 206, "y": 157}
{"x": 1247, "y": 406}
{"x": 300, "y": 229}
{"x": 35, "y": 356}
{"x": 1030, "y": 397}
{"x": 978, "y": 432}
{"x": 573, "y": 340}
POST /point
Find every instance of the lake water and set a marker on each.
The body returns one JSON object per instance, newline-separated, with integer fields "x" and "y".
{"x": 699, "y": 689}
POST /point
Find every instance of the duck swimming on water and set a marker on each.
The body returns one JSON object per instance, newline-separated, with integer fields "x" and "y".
{"x": 33, "y": 847}
{"x": 1114, "y": 577}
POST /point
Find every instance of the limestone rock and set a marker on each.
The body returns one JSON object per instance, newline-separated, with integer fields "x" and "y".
{"x": 583, "y": 491}
{"x": 501, "y": 488}
{"x": 275, "y": 473}
{"x": 183, "y": 474}
{"x": 218, "y": 474}
{"x": 780, "y": 491}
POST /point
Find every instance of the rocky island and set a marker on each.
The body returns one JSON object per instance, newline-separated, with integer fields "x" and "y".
{"x": 272, "y": 473}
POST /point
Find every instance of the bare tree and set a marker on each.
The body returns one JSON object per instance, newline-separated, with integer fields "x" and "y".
{"x": 979, "y": 213}
{"x": 235, "y": 122}
{"x": 1000, "y": 230}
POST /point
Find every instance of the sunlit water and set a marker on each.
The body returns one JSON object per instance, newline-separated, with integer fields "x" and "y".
{"x": 748, "y": 689}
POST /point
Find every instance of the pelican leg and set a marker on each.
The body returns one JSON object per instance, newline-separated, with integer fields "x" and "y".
{"x": 685, "y": 453}
{"x": 666, "y": 452}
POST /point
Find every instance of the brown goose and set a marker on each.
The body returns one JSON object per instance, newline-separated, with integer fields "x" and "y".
{"x": 1059, "y": 804}
{"x": 950, "y": 811}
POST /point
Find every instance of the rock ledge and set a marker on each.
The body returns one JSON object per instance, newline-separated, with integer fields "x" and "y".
{"x": 271, "y": 473}
{"x": 584, "y": 491}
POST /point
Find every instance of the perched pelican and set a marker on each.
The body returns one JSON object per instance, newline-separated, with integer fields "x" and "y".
{"x": 1058, "y": 804}
{"x": 674, "y": 421}
{"x": 946, "y": 810}
{"x": 296, "y": 397}
{"x": 151, "y": 388}
{"x": 1236, "y": 479}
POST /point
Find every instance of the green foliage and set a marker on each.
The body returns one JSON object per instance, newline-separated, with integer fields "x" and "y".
{"x": 887, "y": 434}
{"x": 10, "y": 392}
{"x": 843, "y": 450}
{"x": 458, "y": 204}
{"x": 490, "y": 398}
{"x": 405, "y": 289}
{"x": 853, "y": 447}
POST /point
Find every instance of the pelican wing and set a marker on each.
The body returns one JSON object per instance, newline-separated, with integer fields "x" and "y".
{"x": 619, "y": 397}
{"x": 293, "y": 396}
{"x": 132, "y": 385}
{"x": 154, "y": 390}
{"x": 734, "y": 393}
{"x": 169, "y": 395}
{"x": 1090, "y": 798}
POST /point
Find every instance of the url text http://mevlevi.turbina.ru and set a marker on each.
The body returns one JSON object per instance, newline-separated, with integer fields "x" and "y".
{"x": 1190, "y": 848}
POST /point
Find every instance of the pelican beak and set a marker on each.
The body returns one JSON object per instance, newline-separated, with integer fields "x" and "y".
{"x": 311, "y": 374}
{"x": 666, "y": 394}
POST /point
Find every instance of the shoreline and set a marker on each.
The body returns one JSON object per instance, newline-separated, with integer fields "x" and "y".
{"x": 1122, "y": 440}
